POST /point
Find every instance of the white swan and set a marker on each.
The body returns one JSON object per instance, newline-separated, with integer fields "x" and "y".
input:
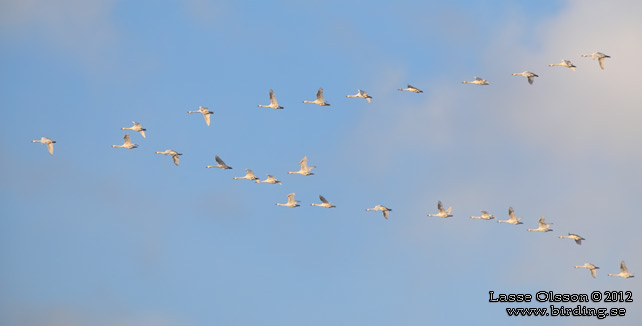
{"x": 320, "y": 100}
{"x": 411, "y": 88}
{"x": 592, "y": 268}
{"x": 543, "y": 226}
{"x": 220, "y": 165}
{"x": 291, "y": 202}
{"x": 575, "y": 237}
{"x": 206, "y": 113}
{"x": 270, "y": 179}
{"x": 624, "y": 272}
{"x": 174, "y": 155}
{"x": 127, "y": 144}
{"x": 361, "y": 94}
{"x": 273, "y": 102}
{"x": 484, "y": 216}
{"x": 381, "y": 208}
{"x": 249, "y": 175}
{"x": 512, "y": 218}
{"x": 564, "y": 63}
{"x": 136, "y": 127}
{"x": 305, "y": 169}
{"x": 599, "y": 56}
{"x": 477, "y": 81}
{"x": 442, "y": 213}
{"x": 46, "y": 141}
{"x": 531, "y": 76}
{"x": 324, "y": 203}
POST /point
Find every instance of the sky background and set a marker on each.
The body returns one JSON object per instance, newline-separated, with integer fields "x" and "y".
{"x": 96, "y": 235}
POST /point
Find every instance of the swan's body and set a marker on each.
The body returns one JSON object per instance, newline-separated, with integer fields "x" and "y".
{"x": 564, "y": 63}
{"x": 543, "y": 226}
{"x": 136, "y": 127}
{"x": 324, "y": 203}
{"x": 174, "y": 155}
{"x": 592, "y": 268}
{"x": 46, "y": 141}
{"x": 575, "y": 237}
{"x": 220, "y": 165}
{"x": 599, "y": 56}
{"x": 320, "y": 100}
{"x": 273, "y": 102}
{"x": 381, "y": 208}
{"x": 484, "y": 216}
{"x": 305, "y": 169}
{"x": 624, "y": 272}
{"x": 531, "y": 76}
{"x": 249, "y": 175}
{"x": 477, "y": 81}
{"x": 512, "y": 218}
{"x": 411, "y": 88}
{"x": 361, "y": 94}
{"x": 443, "y": 213}
{"x": 291, "y": 202}
{"x": 127, "y": 144}
{"x": 270, "y": 179}
{"x": 206, "y": 113}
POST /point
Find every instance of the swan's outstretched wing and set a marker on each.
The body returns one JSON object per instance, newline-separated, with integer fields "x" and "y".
{"x": 320, "y": 94}
{"x": 385, "y": 213}
{"x": 601, "y": 62}
{"x": 273, "y": 99}
{"x": 511, "y": 213}
{"x": 175, "y": 158}
{"x": 207, "y": 117}
{"x": 623, "y": 267}
{"x": 50, "y": 147}
{"x": 440, "y": 207}
{"x": 219, "y": 161}
{"x": 323, "y": 200}
{"x": 304, "y": 163}
{"x": 291, "y": 200}
{"x": 530, "y": 79}
{"x": 127, "y": 140}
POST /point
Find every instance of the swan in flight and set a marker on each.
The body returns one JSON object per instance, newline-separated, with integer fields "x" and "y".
{"x": 411, "y": 88}
{"x": 624, "y": 272}
{"x": 592, "y": 268}
{"x": 484, "y": 216}
{"x": 531, "y": 76}
{"x": 361, "y": 94}
{"x": 381, "y": 208}
{"x": 269, "y": 179}
{"x": 305, "y": 169}
{"x": 320, "y": 100}
{"x": 46, "y": 141}
{"x": 273, "y": 103}
{"x": 543, "y": 226}
{"x": 477, "y": 81}
{"x": 291, "y": 202}
{"x": 136, "y": 127}
{"x": 599, "y": 56}
{"x": 220, "y": 165}
{"x": 249, "y": 175}
{"x": 442, "y": 213}
{"x": 512, "y": 218}
{"x": 174, "y": 155}
{"x": 564, "y": 63}
{"x": 575, "y": 237}
{"x": 128, "y": 143}
{"x": 324, "y": 203}
{"x": 206, "y": 113}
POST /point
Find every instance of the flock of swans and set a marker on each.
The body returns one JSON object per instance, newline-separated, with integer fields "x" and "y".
{"x": 305, "y": 169}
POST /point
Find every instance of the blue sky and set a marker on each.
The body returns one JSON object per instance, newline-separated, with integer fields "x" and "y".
{"x": 96, "y": 235}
